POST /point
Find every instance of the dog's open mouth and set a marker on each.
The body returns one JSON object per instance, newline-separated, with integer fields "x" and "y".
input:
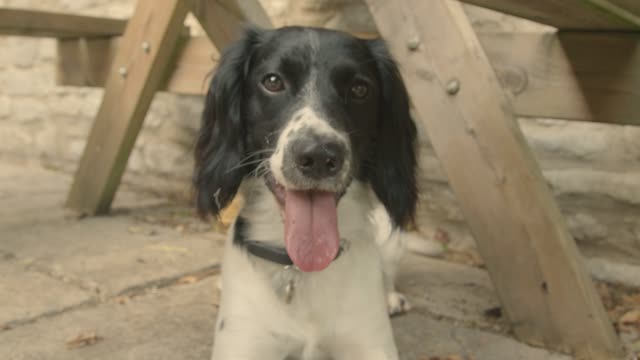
{"x": 311, "y": 225}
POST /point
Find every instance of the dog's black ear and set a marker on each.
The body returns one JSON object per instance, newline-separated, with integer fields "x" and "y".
{"x": 394, "y": 163}
{"x": 220, "y": 145}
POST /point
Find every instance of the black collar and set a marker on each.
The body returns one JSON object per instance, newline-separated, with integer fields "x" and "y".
{"x": 265, "y": 251}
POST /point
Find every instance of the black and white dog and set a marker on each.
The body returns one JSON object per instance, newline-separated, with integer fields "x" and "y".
{"x": 312, "y": 126}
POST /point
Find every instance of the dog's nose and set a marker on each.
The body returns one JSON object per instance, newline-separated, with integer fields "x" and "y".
{"x": 319, "y": 159}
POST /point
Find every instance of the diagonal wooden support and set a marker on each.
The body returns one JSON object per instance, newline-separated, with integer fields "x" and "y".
{"x": 137, "y": 72}
{"x": 531, "y": 257}
{"x": 608, "y": 15}
{"x": 50, "y": 24}
{"x": 223, "y": 20}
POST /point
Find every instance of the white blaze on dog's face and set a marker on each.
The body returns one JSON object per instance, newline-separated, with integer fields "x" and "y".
{"x": 311, "y": 155}
{"x": 310, "y": 111}
{"x": 310, "y": 169}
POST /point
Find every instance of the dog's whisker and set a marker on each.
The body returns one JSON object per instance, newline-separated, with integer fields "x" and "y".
{"x": 262, "y": 169}
{"x": 256, "y": 153}
{"x": 241, "y": 165}
{"x": 247, "y": 159}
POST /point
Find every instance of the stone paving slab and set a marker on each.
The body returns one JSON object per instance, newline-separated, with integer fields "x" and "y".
{"x": 177, "y": 323}
{"x": 420, "y": 338}
{"x": 103, "y": 255}
{"x": 27, "y": 294}
{"x": 30, "y": 194}
{"x": 174, "y": 323}
{"x": 449, "y": 290}
{"x": 65, "y": 277}
{"x": 93, "y": 257}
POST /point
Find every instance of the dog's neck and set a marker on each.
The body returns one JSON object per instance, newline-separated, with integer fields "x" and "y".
{"x": 263, "y": 216}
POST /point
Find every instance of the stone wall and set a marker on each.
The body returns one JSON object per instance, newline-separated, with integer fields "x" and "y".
{"x": 47, "y": 123}
{"x": 594, "y": 169}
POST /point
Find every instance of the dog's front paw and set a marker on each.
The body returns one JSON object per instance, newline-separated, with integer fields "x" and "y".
{"x": 397, "y": 303}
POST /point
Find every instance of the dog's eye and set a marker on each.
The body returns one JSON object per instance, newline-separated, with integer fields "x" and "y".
{"x": 273, "y": 83}
{"x": 359, "y": 90}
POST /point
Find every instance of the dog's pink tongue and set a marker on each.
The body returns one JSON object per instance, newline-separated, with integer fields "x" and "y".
{"x": 311, "y": 229}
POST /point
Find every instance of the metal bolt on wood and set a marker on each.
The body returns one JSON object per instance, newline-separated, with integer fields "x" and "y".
{"x": 413, "y": 43}
{"x": 123, "y": 72}
{"x": 146, "y": 47}
{"x": 453, "y": 87}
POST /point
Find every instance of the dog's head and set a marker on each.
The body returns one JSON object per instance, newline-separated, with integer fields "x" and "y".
{"x": 310, "y": 111}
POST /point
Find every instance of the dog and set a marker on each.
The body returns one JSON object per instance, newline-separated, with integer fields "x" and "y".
{"x": 312, "y": 127}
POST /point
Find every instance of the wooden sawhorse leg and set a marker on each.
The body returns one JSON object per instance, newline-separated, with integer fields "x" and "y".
{"x": 138, "y": 70}
{"x": 142, "y": 64}
{"x": 521, "y": 234}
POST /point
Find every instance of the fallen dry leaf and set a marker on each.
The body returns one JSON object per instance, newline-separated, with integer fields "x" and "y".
{"x": 122, "y": 300}
{"x": 605, "y": 295}
{"x": 189, "y": 279}
{"x": 82, "y": 340}
{"x": 449, "y": 357}
{"x": 455, "y": 357}
{"x": 631, "y": 300}
{"x": 135, "y": 230}
{"x": 469, "y": 258}
{"x": 630, "y": 318}
{"x": 442, "y": 236}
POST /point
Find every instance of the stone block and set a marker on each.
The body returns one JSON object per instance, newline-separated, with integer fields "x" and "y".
{"x": 29, "y": 109}
{"x": 22, "y": 52}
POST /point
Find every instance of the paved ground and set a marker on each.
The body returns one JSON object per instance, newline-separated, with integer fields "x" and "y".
{"x": 140, "y": 284}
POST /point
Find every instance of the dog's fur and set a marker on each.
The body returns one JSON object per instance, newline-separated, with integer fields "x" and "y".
{"x": 253, "y": 127}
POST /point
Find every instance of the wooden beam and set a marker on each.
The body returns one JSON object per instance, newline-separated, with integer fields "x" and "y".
{"x": 223, "y": 20}
{"x": 139, "y": 68}
{"x": 49, "y": 24}
{"x": 572, "y": 14}
{"x": 85, "y": 62}
{"x": 533, "y": 261}
{"x": 194, "y": 67}
{"x": 574, "y": 75}
{"x": 570, "y": 75}
{"x": 632, "y": 6}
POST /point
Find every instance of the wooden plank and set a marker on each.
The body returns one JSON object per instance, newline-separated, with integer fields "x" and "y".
{"x": 193, "y": 67}
{"x": 139, "y": 68}
{"x": 85, "y": 62}
{"x": 223, "y": 20}
{"x": 49, "y": 24}
{"x": 533, "y": 261}
{"x": 571, "y": 14}
{"x": 632, "y": 6}
{"x": 575, "y": 75}
{"x": 571, "y": 75}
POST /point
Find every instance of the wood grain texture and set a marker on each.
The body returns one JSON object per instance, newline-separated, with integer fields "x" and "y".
{"x": 194, "y": 67}
{"x": 571, "y": 14}
{"x": 633, "y": 6}
{"x": 570, "y": 75}
{"x": 127, "y": 97}
{"x": 85, "y": 61}
{"x": 573, "y": 75}
{"x": 533, "y": 261}
{"x": 223, "y": 20}
{"x": 49, "y": 24}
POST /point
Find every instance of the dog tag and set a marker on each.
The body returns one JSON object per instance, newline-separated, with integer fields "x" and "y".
{"x": 284, "y": 283}
{"x": 289, "y": 289}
